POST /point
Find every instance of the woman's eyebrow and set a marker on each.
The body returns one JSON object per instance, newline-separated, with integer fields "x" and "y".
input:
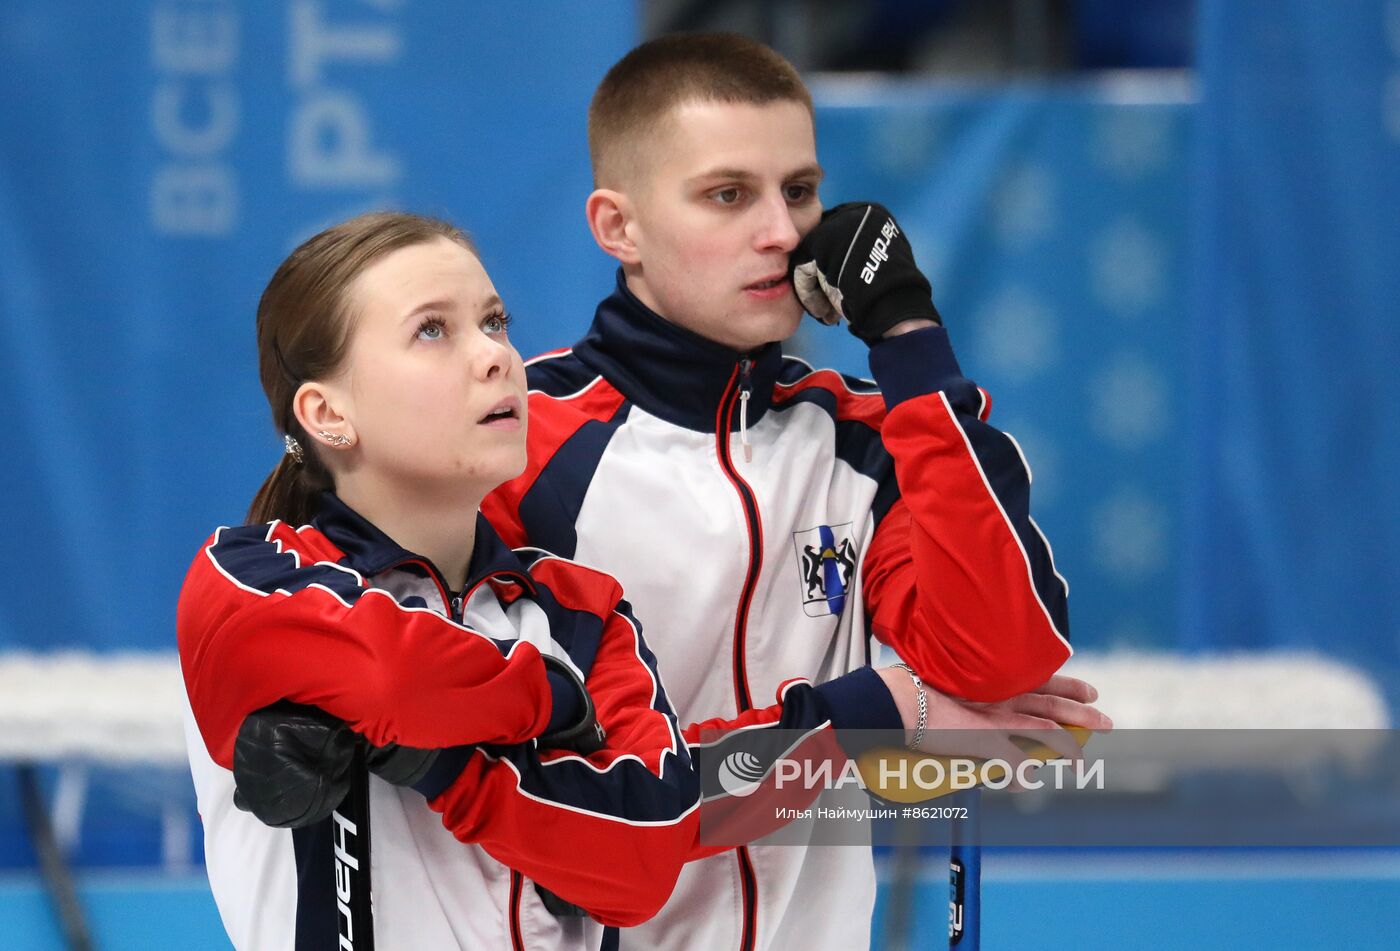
{"x": 438, "y": 304}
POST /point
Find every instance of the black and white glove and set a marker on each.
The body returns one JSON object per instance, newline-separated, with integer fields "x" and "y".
{"x": 292, "y": 764}
{"x": 857, "y": 264}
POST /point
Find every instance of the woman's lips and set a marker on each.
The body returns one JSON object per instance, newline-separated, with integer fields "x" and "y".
{"x": 504, "y": 415}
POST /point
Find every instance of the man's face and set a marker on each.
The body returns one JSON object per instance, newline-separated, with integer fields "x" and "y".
{"x": 724, "y": 195}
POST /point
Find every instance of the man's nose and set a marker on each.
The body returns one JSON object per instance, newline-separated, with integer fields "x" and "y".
{"x": 777, "y": 232}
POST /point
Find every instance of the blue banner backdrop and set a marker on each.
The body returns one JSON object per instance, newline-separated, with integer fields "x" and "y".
{"x": 1051, "y": 222}
{"x": 1294, "y": 512}
{"x": 158, "y": 160}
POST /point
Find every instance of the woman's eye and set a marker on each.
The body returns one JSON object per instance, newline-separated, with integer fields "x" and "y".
{"x": 496, "y": 324}
{"x": 432, "y": 329}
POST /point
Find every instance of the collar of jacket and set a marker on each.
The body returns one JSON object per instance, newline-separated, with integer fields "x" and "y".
{"x": 668, "y": 371}
{"x": 369, "y": 551}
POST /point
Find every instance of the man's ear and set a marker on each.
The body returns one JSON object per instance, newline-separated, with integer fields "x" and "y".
{"x": 612, "y": 219}
{"x": 320, "y": 408}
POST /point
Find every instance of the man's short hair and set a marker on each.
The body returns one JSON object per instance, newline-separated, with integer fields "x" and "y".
{"x": 646, "y": 84}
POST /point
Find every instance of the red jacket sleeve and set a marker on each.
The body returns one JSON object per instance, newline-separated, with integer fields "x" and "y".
{"x": 266, "y": 614}
{"x": 608, "y": 831}
{"x": 958, "y": 578}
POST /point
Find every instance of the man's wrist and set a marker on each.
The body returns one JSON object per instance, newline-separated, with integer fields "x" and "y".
{"x": 916, "y": 364}
{"x": 906, "y": 326}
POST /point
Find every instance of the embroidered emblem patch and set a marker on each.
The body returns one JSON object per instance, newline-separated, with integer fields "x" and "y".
{"x": 826, "y": 561}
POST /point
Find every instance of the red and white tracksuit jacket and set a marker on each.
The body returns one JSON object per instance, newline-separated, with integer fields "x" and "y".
{"x": 766, "y": 519}
{"x": 337, "y": 615}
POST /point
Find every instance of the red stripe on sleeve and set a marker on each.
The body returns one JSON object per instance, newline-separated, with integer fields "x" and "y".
{"x": 946, "y": 580}
{"x": 552, "y": 422}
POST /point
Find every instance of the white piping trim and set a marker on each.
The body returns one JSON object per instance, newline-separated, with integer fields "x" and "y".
{"x": 1030, "y": 476}
{"x": 812, "y": 371}
{"x": 594, "y": 382}
{"x": 548, "y": 356}
{"x": 637, "y": 823}
{"x": 1049, "y": 551}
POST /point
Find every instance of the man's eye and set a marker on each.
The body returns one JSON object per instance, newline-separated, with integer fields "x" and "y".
{"x": 432, "y": 328}
{"x": 798, "y": 192}
{"x": 726, "y": 196}
{"x": 496, "y": 323}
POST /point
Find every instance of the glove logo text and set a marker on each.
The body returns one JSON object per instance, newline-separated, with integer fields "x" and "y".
{"x": 879, "y": 251}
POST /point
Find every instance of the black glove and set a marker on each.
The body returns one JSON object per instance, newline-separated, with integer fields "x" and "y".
{"x": 292, "y": 762}
{"x": 857, "y": 263}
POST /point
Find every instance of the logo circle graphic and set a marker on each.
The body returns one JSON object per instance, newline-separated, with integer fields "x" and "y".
{"x": 740, "y": 773}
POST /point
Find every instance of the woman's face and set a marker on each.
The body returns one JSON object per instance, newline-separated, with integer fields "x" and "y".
{"x": 432, "y": 387}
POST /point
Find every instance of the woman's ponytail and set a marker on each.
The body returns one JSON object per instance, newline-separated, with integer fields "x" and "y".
{"x": 291, "y": 492}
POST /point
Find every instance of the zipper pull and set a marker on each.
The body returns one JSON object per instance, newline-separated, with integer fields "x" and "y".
{"x": 745, "y": 385}
{"x": 457, "y": 607}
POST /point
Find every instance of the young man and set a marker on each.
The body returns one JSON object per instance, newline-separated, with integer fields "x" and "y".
{"x": 767, "y": 518}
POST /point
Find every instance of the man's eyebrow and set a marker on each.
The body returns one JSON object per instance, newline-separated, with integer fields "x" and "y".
{"x": 728, "y": 174}
{"x": 744, "y": 175}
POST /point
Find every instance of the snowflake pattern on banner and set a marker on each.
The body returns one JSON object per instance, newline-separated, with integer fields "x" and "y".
{"x": 1052, "y": 227}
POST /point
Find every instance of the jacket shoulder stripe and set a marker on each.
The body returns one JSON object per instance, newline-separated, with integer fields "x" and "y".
{"x": 844, "y": 401}
{"x": 558, "y": 374}
{"x": 255, "y": 559}
{"x": 567, "y": 438}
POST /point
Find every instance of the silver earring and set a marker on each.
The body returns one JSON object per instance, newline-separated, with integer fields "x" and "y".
{"x": 336, "y": 439}
{"x": 293, "y": 449}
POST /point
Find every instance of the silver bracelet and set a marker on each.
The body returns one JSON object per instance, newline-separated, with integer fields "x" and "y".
{"x": 923, "y": 707}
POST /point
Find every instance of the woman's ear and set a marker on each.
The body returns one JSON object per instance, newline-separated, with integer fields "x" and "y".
{"x": 319, "y": 407}
{"x": 612, "y": 220}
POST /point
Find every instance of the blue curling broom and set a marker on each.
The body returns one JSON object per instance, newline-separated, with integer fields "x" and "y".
{"x": 965, "y": 874}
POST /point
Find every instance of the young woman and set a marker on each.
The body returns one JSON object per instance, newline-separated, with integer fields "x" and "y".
{"x": 369, "y": 588}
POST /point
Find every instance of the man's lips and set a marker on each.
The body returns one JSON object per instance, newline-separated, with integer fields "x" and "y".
{"x": 505, "y": 414}
{"x": 771, "y": 287}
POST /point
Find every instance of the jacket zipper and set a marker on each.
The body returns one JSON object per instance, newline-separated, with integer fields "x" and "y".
{"x": 455, "y": 603}
{"x": 745, "y": 388}
{"x": 517, "y": 933}
{"x": 737, "y": 397}
{"x": 728, "y": 403}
